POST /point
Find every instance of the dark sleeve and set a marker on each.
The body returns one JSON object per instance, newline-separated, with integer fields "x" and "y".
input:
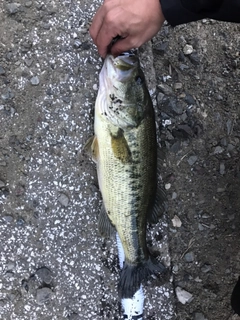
{"x": 182, "y": 11}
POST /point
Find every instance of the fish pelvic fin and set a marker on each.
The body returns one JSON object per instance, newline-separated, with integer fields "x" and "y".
{"x": 132, "y": 276}
{"x": 92, "y": 149}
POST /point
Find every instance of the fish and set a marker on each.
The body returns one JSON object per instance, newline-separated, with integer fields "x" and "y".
{"x": 124, "y": 148}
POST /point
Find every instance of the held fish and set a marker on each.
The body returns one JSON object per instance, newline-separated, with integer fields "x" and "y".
{"x": 124, "y": 148}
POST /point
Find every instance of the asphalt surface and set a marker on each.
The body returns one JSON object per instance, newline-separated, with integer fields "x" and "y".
{"x": 54, "y": 264}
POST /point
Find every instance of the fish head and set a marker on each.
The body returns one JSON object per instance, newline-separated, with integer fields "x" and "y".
{"x": 125, "y": 92}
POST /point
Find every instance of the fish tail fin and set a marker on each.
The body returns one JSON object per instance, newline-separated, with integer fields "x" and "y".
{"x": 132, "y": 276}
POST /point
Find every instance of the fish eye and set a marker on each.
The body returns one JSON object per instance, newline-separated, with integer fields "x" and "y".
{"x": 139, "y": 80}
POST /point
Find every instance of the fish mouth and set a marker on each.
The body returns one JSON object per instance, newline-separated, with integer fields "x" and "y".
{"x": 122, "y": 67}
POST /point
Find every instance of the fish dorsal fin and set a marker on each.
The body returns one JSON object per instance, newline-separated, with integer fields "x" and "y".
{"x": 120, "y": 146}
{"x": 159, "y": 206}
{"x": 91, "y": 148}
{"x": 105, "y": 227}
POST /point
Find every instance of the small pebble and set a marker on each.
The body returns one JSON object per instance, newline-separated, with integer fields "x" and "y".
{"x": 181, "y": 57}
{"x": 173, "y": 107}
{"x": 164, "y": 88}
{"x": 187, "y": 131}
{"x": 20, "y": 190}
{"x": 191, "y": 160}
{"x": 197, "y": 279}
{"x": 194, "y": 58}
{"x": 167, "y": 186}
{"x": 10, "y": 266}
{"x": 189, "y": 257}
{"x": 178, "y": 86}
{"x": 34, "y": 81}
{"x": 162, "y": 48}
{"x": 20, "y": 222}
{"x": 83, "y": 30}
{"x": 175, "y": 269}
{"x": 7, "y": 218}
{"x": 95, "y": 87}
{"x": 188, "y": 49}
{"x": 218, "y": 150}
{"x": 189, "y": 99}
{"x": 222, "y": 168}
{"x": 176, "y": 147}
{"x": 229, "y": 126}
{"x": 28, "y": 4}
{"x": 2, "y": 303}
{"x": 63, "y": 199}
{"x": 77, "y": 44}
{"x": 2, "y": 184}
{"x": 7, "y": 94}
{"x": 206, "y": 268}
{"x": 199, "y": 316}
{"x": 28, "y": 62}
{"x": 45, "y": 275}
{"x": 13, "y": 7}
{"x": 183, "y": 66}
{"x": 230, "y": 147}
{"x": 174, "y": 195}
{"x": 183, "y": 296}
{"x": 176, "y": 222}
{"x": 85, "y": 45}
{"x": 2, "y": 71}
{"x": 43, "y": 295}
{"x": 160, "y": 97}
{"x": 200, "y": 227}
{"x": 46, "y": 26}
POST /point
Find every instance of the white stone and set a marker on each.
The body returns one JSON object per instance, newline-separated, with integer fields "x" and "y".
{"x": 176, "y": 222}
{"x": 183, "y": 296}
{"x": 188, "y": 49}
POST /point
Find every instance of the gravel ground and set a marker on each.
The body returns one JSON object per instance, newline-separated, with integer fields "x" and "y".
{"x": 198, "y": 93}
{"x": 53, "y": 264}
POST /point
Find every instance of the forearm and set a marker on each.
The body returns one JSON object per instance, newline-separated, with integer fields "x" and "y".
{"x": 183, "y": 11}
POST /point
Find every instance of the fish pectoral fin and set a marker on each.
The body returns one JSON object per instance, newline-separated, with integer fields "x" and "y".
{"x": 120, "y": 146}
{"x": 159, "y": 206}
{"x": 105, "y": 227}
{"x": 92, "y": 149}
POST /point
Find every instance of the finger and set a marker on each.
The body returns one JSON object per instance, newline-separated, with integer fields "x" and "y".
{"x": 96, "y": 24}
{"x": 104, "y": 39}
{"x": 123, "y": 45}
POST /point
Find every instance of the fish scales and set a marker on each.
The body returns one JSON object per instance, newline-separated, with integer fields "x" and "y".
{"x": 125, "y": 150}
{"x": 127, "y": 187}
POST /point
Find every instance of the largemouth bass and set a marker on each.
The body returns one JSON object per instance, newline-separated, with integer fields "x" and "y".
{"x": 124, "y": 148}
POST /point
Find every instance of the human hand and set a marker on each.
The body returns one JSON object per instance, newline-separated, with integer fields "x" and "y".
{"x": 134, "y": 21}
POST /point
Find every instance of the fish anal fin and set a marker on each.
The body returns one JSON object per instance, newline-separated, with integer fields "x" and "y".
{"x": 159, "y": 206}
{"x": 120, "y": 146}
{"x": 92, "y": 149}
{"x": 161, "y": 156}
{"x": 105, "y": 227}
